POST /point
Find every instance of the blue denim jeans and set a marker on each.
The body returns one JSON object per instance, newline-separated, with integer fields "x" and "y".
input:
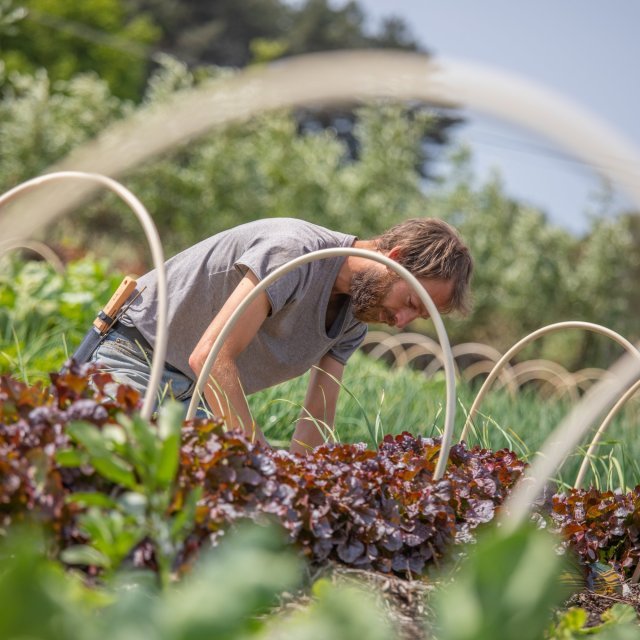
{"x": 130, "y": 363}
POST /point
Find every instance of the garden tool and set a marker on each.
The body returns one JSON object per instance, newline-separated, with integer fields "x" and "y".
{"x": 105, "y": 320}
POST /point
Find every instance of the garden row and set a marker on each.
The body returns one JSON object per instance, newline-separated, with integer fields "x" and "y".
{"x": 112, "y": 489}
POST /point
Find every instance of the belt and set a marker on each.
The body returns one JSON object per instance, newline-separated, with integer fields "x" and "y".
{"x": 132, "y": 334}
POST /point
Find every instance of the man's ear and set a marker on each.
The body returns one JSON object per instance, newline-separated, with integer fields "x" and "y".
{"x": 395, "y": 253}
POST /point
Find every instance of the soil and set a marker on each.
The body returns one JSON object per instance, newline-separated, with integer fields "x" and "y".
{"x": 406, "y": 602}
{"x": 595, "y": 604}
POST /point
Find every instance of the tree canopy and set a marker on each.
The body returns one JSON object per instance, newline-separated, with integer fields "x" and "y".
{"x": 120, "y": 39}
{"x": 528, "y": 272}
{"x": 66, "y": 38}
{"x": 359, "y": 170}
{"x": 232, "y": 32}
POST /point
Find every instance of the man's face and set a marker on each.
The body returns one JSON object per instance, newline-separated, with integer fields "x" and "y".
{"x": 380, "y": 295}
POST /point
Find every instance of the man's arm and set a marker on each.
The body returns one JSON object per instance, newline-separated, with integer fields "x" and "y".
{"x": 319, "y": 412}
{"x": 225, "y": 396}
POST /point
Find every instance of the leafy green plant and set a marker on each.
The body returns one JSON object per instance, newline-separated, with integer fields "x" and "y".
{"x": 369, "y": 509}
{"x": 617, "y": 623}
{"x": 142, "y": 459}
{"x": 117, "y": 493}
{"x": 39, "y": 599}
{"x": 506, "y": 588}
{"x": 108, "y": 477}
{"x": 44, "y": 314}
{"x": 102, "y": 477}
{"x": 103, "y": 480}
{"x": 510, "y": 585}
{"x": 602, "y": 526}
{"x": 226, "y": 596}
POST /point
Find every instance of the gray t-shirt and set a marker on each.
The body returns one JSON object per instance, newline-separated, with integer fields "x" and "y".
{"x": 293, "y": 337}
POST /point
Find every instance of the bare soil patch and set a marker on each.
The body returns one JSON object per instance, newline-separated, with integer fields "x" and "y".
{"x": 406, "y": 602}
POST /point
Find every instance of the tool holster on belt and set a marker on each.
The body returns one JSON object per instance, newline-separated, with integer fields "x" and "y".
{"x": 104, "y": 321}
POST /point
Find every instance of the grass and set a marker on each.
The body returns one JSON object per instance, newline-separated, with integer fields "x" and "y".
{"x": 374, "y": 401}
{"x": 524, "y": 423}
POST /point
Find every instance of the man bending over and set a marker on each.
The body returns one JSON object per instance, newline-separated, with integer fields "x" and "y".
{"x": 313, "y": 318}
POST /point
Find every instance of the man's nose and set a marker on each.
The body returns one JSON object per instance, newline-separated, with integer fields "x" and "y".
{"x": 404, "y": 317}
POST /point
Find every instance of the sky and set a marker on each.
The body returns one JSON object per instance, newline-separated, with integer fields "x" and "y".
{"x": 587, "y": 51}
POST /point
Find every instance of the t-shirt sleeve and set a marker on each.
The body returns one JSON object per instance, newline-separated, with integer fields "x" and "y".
{"x": 351, "y": 339}
{"x": 262, "y": 259}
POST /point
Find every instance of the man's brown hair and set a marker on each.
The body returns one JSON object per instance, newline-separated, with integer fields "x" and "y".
{"x": 431, "y": 248}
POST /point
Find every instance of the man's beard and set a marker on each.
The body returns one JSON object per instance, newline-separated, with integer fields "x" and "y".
{"x": 368, "y": 290}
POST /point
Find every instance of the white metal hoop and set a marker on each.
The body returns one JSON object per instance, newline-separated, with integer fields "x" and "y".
{"x": 516, "y": 348}
{"x": 160, "y": 347}
{"x": 450, "y": 406}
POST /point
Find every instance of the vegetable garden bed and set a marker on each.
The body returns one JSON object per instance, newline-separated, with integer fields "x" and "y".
{"x": 112, "y": 490}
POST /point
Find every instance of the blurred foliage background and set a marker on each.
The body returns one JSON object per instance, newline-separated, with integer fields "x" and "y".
{"x": 68, "y": 70}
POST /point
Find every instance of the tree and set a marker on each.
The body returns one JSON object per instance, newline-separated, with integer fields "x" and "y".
{"x": 224, "y": 32}
{"x": 238, "y": 33}
{"x": 123, "y": 41}
{"x": 521, "y": 261}
{"x": 604, "y": 282}
{"x": 528, "y": 272}
{"x": 66, "y": 38}
{"x": 41, "y": 121}
{"x": 264, "y": 168}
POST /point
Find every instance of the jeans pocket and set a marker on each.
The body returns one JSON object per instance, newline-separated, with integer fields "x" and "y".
{"x": 129, "y": 349}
